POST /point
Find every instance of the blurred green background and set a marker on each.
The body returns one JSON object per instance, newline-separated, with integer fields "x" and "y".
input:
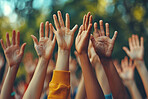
{"x": 126, "y": 16}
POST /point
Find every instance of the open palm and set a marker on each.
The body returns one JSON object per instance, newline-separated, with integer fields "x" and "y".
{"x": 102, "y": 43}
{"x": 45, "y": 46}
{"x": 82, "y": 38}
{"x": 63, "y": 34}
{"x": 13, "y": 52}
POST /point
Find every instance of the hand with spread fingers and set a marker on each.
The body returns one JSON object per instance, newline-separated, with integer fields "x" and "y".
{"x": 127, "y": 75}
{"x": 82, "y": 39}
{"x": 128, "y": 68}
{"x": 13, "y": 52}
{"x": 63, "y": 34}
{"x": 46, "y": 44}
{"x": 136, "y": 48}
{"x": 102, "y": 43}
{"x": 136, "y": 53}
{"x": 81, "y": 44}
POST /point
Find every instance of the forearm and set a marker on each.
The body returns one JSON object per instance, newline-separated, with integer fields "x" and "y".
{"x": 62, "y": 60}
{"x": 8, "y": 82}
{"x": 101, "y": 76}
{"x": 81, "y": 93}
{"x": 142, "y": 70}
{"x": 92, "y": 86}
{"x": 133, "y": 90}
{"x": 36, "y": 84}
{"x": 117, "y": 88}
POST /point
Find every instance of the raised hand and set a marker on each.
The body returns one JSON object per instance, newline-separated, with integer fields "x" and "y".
{"x": 46, "y": 44}
{"x": 82, "y": 38}
{"x": 127, "y": 69}
{"x": 136, "y": 48}
{"x": 102, "y": 43}
{"x": 94, "y": 59}
{"x": 13, "y": 52}
{"x": 63, "y": 34}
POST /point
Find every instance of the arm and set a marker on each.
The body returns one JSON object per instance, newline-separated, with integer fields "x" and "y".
{"x": 13, "y": 54}
{"x": 81, "y": 94}
{"x": 142, "y": 70}
{"x": 127, "y": 75}
{"x": 136, "y": 53}
{"x": 44, "y": 49}
{"x": 103, "y": 46}
{"x": 92, "y": 86}
{"x": 100, "y": 73}
{"x": 59, "y": 86}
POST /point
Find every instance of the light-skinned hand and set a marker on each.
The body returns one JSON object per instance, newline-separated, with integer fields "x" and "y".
{"x": 63, "y": 34}
{"x": 136, "y": 50}
{"x": 13, "y": 52}
{"x": 45, "y": 46}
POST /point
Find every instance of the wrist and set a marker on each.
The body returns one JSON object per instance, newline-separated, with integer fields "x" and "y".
{"x": 139, "y": 62}
{"x": 62, "y": 60}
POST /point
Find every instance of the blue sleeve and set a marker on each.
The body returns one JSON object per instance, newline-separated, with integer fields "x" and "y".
{"x": 109, "y": 96}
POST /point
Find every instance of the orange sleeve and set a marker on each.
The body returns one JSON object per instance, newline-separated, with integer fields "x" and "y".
{"x": 59, "y": 87}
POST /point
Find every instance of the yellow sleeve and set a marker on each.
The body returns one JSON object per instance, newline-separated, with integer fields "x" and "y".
{"x": 59, "y": 87}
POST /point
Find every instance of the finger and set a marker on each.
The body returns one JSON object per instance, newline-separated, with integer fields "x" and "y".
{"x": 51, "y": 31}
{"x": 41, "y": 29}
{"x": 13, "y": 37}
{"x": 133, "y": 41}
{"x": 60, "y": 19}
{"x": 95, "y": 27}
{"x": 3, "y": 46}
{"x": 87, "y": 19}
{"x": 56, "y": 21}
{"x": 126, "y": 50}
{"x": 80, "y": 30}
{"x": 74, "y": 29}
{"x": 107, "y": 29}
{"x": 130, "y": 43}
{"x": 137, "y": 40}
{"x": 7, "y": 40}
{"x": 67, "y": 21}
{"x": 47, "y": 29}
{"x": 115, "y": 36}
{"x": 89, "y": 29}
{"x": 93, "y": 40}
{"x": 18, "y": 38}
{"x": 101, "y": 28}
{"x": 22, "y": 49}
{"x": 142, "y": 42}
{"x": 90, "y": 19}
{"x": 84, "y": 21}
{"x": 34, "y": 39}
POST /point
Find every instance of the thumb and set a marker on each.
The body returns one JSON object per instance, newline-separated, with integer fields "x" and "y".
{"x": 92, "y": 40}
{"x": 34, "y": 39}
{"x": 22, "y": 49}
{"x": 126, "y": 50}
